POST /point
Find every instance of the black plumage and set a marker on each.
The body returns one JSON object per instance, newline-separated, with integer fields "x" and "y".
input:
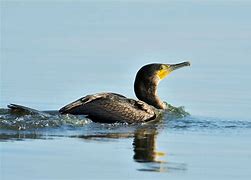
{"x": 111, "y": 107}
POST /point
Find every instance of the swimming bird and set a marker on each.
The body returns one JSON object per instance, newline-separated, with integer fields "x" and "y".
{"x": 112, "y": 107}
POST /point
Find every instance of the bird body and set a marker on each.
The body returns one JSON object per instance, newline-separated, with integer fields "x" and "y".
{"x": 112, "y": 107}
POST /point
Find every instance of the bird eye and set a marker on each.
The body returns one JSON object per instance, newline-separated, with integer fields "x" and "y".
{"x": 161, "y": 67}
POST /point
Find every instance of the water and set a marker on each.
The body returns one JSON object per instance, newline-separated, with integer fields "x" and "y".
{"x": 55, "y": 52}
{"x": 193, "y": 147}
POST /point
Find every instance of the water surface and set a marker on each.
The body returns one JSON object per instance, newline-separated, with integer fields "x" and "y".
{"x": 55, "y": 52}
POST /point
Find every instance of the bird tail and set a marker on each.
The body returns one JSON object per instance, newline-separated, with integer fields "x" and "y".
{"x": 23, "y": 110}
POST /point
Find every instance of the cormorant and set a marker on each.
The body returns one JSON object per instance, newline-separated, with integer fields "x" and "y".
{"x": 111, "y": 107}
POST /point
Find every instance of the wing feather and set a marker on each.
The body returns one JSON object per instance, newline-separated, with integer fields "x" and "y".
{"x": 110, "y": 107}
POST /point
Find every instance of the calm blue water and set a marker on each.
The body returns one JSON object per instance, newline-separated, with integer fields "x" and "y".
{"x": 55, "y": 52}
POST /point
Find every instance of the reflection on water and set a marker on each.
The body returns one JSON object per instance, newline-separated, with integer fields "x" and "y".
{"x": 144, "y": 147}
{"x": 20, "y": 137}
{"x": 146, "y": 153}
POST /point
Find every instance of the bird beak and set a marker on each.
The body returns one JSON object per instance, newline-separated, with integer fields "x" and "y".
{"x": 168, "y": 68}
{"x": 173, "y": 67}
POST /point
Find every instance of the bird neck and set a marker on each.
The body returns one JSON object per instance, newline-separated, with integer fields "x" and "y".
{"x": 146, "y": 90}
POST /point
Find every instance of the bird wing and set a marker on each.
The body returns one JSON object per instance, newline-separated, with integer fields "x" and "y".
{"x": 110, "y": 107}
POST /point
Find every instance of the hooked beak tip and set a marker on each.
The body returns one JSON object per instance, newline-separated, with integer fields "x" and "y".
{"x": 180, "y": 65}
{"x": 188, "y": 63}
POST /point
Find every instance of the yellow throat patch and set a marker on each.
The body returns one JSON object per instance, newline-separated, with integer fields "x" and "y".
{"x": 163, "y": 73}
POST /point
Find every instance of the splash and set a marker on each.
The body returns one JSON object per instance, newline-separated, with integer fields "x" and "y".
{"x": 14, "y": 121}
{"x": 177, "y": 112}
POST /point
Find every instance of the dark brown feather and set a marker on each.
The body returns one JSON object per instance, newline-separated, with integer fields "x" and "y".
{"x": 111, "y": 107}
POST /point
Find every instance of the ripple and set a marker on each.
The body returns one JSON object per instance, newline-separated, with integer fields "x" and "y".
{"x": 205, "y": 123}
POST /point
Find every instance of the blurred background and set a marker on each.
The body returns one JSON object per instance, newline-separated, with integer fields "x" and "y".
{"x": 53, "y": 52}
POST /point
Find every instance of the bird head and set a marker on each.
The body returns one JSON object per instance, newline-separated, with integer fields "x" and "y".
{"x": 147, "y": 79}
